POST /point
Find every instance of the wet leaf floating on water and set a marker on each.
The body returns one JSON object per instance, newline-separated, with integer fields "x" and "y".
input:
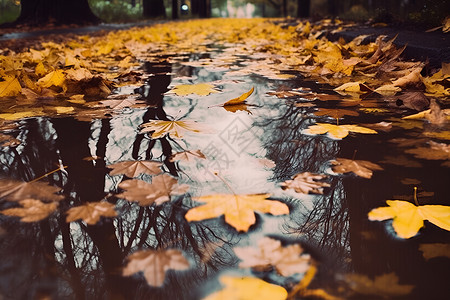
{"x": 306, "y": 183}
{"x": 435, "y": 250}
{"x": 287, "y": 260}
{"x": 32, "y": 210}
{"x": 353, "y": 88}
{"x": 436, "y": 151}
{"x": 121, "y": 104}
{"x": 176, "y": 129}
{"x": 134, "y": 168}
{"x": 10, "y": 86}
{"x": 159, "y": 191}
{"x": 408, "y": 218}
{"x": 239, "y": 100}
{"x": 201, "y": 89}
{"x": 362, "y": 168}
{"x": 385, "y": 285}
{"x": 434, "y": 115}
{"x": 247, "y": 288}
{"x": 14, "y": 190}
{"x": 91, "y": 212}
{"x": 187, "y": 155}
{"x": 239, "y": 210}
{"x": 335, "y": 112}
{"x": 336, "y": 131}
{"x": 154, "y": 264}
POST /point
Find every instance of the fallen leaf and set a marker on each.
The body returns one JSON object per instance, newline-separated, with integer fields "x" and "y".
{"x": 287, "y": 260}
{"x": 54, "y": 78}
{"x": 32, "y": 210}
{"x": 336, "y": 131}
{"x": 435, "y": 250}
{"x": 436, "y": 151}
{"x": 362, "y": 168}
{"x": 413, "y": 79}
{"x": 91, "y": 212}
{"x": 133, "y": 168}
{"x": 401, "y": 160}
{"x": 201, "y": 89}
{"x": 353, "y": 87}
{"x": 10, "y": 86}
{"x": 154, "y": 264}
{"x": 176, "y": 129}
{"x": 408, "y": 218}
{"x": 335, "y": 113}
{"x": 305, "y": 183}
{"x": 413, "y": 100}
{"x": 434, "y": 115}
{"x": 243, "y": 288}
{"x": 159, "y": 191}
{"x": 388, "y": 90}
{"x": 187, "y": 155}
{"x": 121, "y": 104}
{"x": 239, "y": 100}
{"x": 239, "y": 210}
{"x": 14, "y": 190}
{"x": 383, "y": 285}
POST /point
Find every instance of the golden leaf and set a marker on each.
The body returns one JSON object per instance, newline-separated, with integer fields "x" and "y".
{"x": 91, "y": 212}
{"x": 241, "y": 99}
{"x": 154, "y": 264}
{"x": 353, "y": 87}
{"x": 32, "y": 210}
{"x": 133, "y": 168}
{"x": 176, "y": 129}
{"x": 201, "y": 89}
{"x": 306, "y": 182}
{"x": 336, "y": 131}
{"x": 10, "y": 86}
{"x": 362, "y": 168}
{"x": 287, "y": 260}
{"x": 383, "y": 285}
{"x": 408, "y": 218}
{"x": 239, "y": 210}
{"x": 247, "y": 288}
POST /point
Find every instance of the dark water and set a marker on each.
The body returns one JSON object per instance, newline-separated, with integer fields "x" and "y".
{"x": 56, "y": 260}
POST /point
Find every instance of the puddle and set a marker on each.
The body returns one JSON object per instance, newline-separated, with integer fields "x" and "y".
{"x": 247, "y": 152}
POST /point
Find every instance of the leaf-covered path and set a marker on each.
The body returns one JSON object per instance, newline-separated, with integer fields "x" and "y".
{"x": 223, "y": 158}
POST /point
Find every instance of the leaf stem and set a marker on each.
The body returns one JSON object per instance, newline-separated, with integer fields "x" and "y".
{"x": 304, "y": 283}
{"x": 49, "y": 173}
{"x": 415, "y": 196}
{"x": 226, "y": 183}
{"x": 354, "y": 154}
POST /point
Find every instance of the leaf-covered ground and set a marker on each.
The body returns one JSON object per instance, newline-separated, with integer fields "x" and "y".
{"x": 223, "y": 158}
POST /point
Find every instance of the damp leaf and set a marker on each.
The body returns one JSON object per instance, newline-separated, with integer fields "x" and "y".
{"x": 91, "y": 212}
{"x": 306, "y": 183}
{"x": 239, "y": 210}
{"x": 154, "y": 264}
{"x": 201, "y": 89}
{"x": 14, "y": 190}
{"x": 54, "y": 78}
{"x": 188, "y": 155}
{"x": 239, "y": 100}
{"x": 362, "y": 168}
{"x": 287, "y": 260}
{"x": 336, "y": 131}
{"x": 385, "y": 285}
{"x": 176, "y": 129}
{"x": 10, "y": 86}
{"x": 435, "y": 151}
{"x": 353, "y": 87}
{"x": 433, "y": 250}
{"x": 133, "y": 168}
{"x": 247, "y": 288}
{"x": 408, "y": 218}
{"x": 159, "y": 191}
{"x": 31, "y": 210}
{"x": 335, "y": 113}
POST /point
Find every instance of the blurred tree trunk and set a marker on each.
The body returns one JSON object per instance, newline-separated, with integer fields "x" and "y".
{"x": 36, "y": 12}
{"x": 201, "y": 8}
{"x": 284, "y": 8}
{"x": 153, "y": 8}
{"x": 303, "y": 8}
{"x": 174, "y": 9}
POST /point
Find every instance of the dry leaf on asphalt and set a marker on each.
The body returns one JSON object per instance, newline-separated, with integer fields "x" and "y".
{"x": 239, "y": 210}
{"x": 385, "y": 285}
{"x": 176, "y": 129}
{"x": 14, "y": 190}
{"x": 408, "y": 218}
{"x": 336, "y": 131}
{"x": 246, "y": 288}
{"x": 154, "y": 264}
{"x": 159, "y": 191}
{"x": 306, "y": 182}
{"x": 32, "y": 210}
{"x": 362, "y": 168}
{"x": 133, "y": 168}
{"x": 287, "y": 260}
{"x": 91, "y": 212}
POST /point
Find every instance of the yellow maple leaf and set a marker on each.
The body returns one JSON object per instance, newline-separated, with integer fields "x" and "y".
{"x": 336, "y": 131}
{"x": 176, "y": 129}
{"x": 247, "y": 288}
{"x": 353, "y": 87}
{"x": 408, "y": 218}
{"x": 201, "y": 89}
{"x": 10, "y": 87}
{"x": 241, "y": 99}
{"x": 54, "y": 78}
{"x": 239, "y": 210}
{"x": 40, "y": 69}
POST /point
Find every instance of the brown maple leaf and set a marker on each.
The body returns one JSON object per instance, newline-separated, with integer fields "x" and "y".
{"x": 362, "y": 168}
{"x": 305, "y": 183}
{"x": 159, "y": 191}
{"x": 154, "y": 264}
{"x": 133, "y": 168}
{"x": 122, "y": 103}
{"x": 187, "y": 155}
{"x": 32, "y": 210}
{"x": 382, "y": 285}
{"x": 436, "y": 151}
{"x": 91, "y": 212}
{"x": 286, "y": 260}
{"x": 14, "y": 190}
